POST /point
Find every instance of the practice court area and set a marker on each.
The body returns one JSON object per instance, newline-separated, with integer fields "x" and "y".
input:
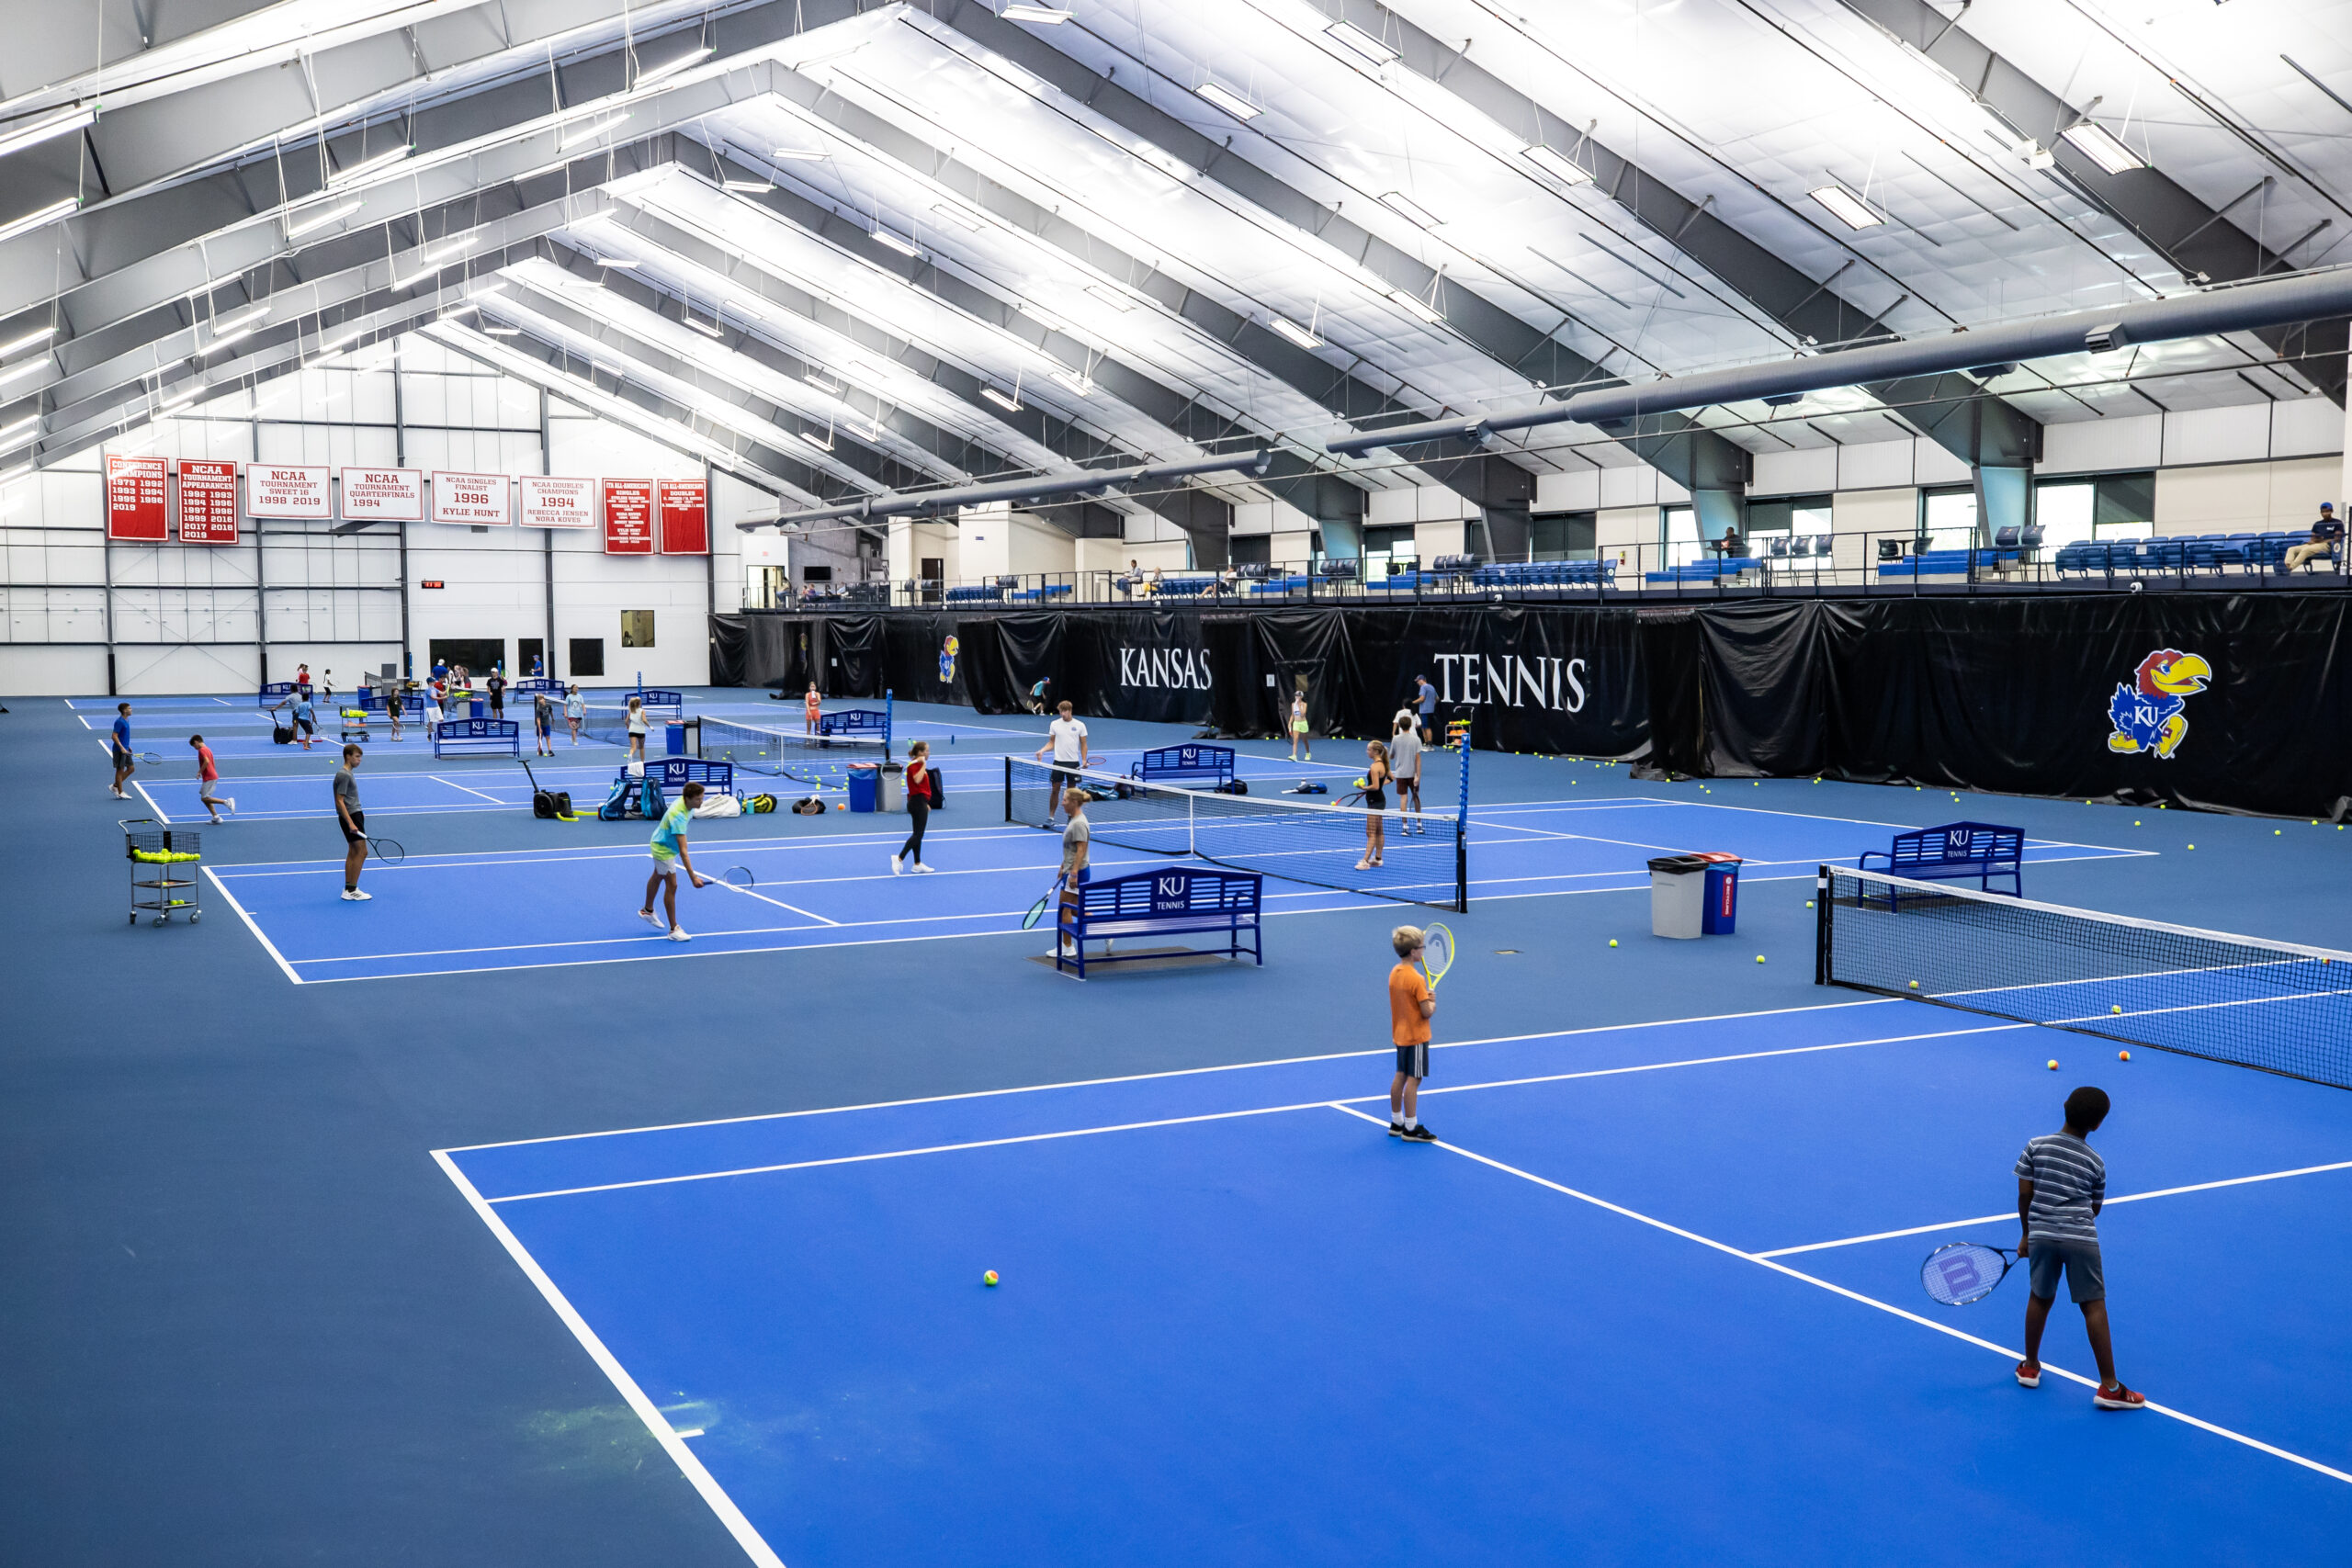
{"x": 719, "y": 1210}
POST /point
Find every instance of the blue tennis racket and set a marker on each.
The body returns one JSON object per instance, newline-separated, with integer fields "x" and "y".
{"x": 1963, "y": 1271}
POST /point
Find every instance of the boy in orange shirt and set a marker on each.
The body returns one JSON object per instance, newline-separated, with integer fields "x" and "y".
{"x": 1409, "y": 1007}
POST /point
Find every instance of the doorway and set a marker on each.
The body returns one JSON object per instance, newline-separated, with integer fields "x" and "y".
{"x": 529, "y": 651}
{"x": 933, "y": 571}
{"x": 1288, "y": 681}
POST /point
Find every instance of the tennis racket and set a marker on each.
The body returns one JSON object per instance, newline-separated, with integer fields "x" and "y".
{"x": 389, "y": 850}
{"x": 1437, "y": 953}
{"x": 1037, "y": 910}
{"x": 739, "y": 877}
{"x": 151, "y": 757}
{"x": 1963, "y": 1271}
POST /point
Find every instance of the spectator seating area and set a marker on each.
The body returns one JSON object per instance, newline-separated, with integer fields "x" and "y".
{"x": 2180, "y": 554}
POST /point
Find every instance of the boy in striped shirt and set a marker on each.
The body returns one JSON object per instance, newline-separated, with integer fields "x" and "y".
{"x": 2061, "y": 1186}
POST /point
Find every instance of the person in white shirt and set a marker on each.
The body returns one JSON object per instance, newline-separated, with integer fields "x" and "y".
{"x": 1405, "y": 765}
{"x": 1067, "y": 741}
{"x": 637, "y": 725}
{"x": 575, "y": 709}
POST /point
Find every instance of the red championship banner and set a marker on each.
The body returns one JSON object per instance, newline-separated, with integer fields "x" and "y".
{"x": 558, "y": 503}
{"x": 629, "y": 517}
{"x": 207, "y": 502}
{"x": 136, "y": 504}
{"x": 473, "y": 500}
{"x": 685, "y": 518}
{"x": 383, "y": 495}
{"x": 273, "y": 490}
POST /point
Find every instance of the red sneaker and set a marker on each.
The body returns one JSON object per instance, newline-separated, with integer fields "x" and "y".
{"x": 2029, "y": 1374}
{"x": 2117, "y": 1398}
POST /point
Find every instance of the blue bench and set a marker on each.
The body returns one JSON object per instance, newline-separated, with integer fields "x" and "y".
{"x": 529, "y": 684}
{"x": 1211, "y": 765}
{"x": 1954, "y": 851}
{"x": 674, "y": 774}
{"x": 275, "y": 693}
{"x": 976, "y": 593}
{"x": 1172, "y": 901}
{"x": 855, "y": 721}
{"x": 478, "y": 737}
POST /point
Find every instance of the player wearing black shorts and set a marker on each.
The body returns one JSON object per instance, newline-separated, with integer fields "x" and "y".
{"x": 353, "y": 822}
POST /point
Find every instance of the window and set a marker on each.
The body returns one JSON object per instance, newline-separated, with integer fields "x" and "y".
{"x": 1382, "y": 545}
{"x": 816, "y": 574}
{"x": 1566, "y": 536}
{"x": 1680, "y": 531}
{"x": 1789, "y": 515}
{"x": 1948, "y": 519}
{"x": 1252, "y": 550}
{"x": 587, "y": 656}
{"x": 2098, "y": 506}
{"x": 636, "y": 628}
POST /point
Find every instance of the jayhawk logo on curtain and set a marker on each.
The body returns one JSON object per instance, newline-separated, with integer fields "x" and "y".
{"x": 947, "y": 652}
{"x": 2146, "y": 709}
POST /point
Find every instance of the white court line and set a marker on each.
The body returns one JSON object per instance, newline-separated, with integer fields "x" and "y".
{"x": 266, "y": 945}
{"x": 1164, "y": 1073}
{"x": 161, "y": 815}
{"x": 753, "y": 893}
{"x": 453, "y": 783}
{"x": 2012, "y": 1214}
{"x": 1763, "y": 1262}
{"x": 741, "y": 1527}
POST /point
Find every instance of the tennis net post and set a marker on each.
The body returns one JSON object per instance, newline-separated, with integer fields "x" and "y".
{"x": 2281, "y": 1007}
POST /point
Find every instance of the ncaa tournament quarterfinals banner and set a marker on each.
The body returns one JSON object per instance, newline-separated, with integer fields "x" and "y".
{"x": 685, "y": 518}
{"x": 629, "y": 517}
{"x": 278, "y": 490}
{"x": 138, "y": 505}
{"x": 207, "y": 502}
{"x": 383, "y": 495}
{"x": 476, "y": 501}
{"x": 558, "y": 503}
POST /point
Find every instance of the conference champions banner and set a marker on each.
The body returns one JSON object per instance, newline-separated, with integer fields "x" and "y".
{"x": 2224, "y": 702}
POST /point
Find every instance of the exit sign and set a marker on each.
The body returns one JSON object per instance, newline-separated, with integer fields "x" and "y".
{"x": 432, "y": 582}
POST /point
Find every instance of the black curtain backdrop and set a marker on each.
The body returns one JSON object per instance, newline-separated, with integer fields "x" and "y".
{"x": 2230, "y": 703}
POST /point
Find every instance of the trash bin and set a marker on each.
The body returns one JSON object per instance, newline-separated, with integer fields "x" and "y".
{"x": 1722, "y": 893}
{"x": 863, "y": 785}
{"x": 674, "y": 735}
{"x": 893, "y": 787}
{"x": 1679, "y": 896}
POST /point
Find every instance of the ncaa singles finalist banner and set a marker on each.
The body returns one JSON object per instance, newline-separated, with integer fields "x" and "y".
{"x": 478, "y": 500}
{"x": 629, "y": 517}
{"x": 279, "y": 490}
{"x": 137, "y": 502}
{"x": 383, "y": 495}
{"x": 685, "y": 518}
{"x": 207, "y": 502}
{"x": 557, "y": 502}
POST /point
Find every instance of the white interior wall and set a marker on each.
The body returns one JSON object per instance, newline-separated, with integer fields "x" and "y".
{"x": 985, "y": 536}
{"x": 2245, "y": 498}
{"x": 1629, "y": 534}
{"x": 913, "y": 543}
{"x": 1856, "y": 515}
{"x": 1037, "y": 547}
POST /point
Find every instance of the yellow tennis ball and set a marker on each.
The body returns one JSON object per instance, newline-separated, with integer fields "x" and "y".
{"x": 2053, "y": 1064}
{"x": 2123, "y": 1055}
{"x": 1760, "y": 958}
{"x": 989, "y": 1278}
{"x": 2116, "y": 1008}
{"x": 1914, "y": 985}
{"x": 1808, "y": 903}
{"x": 1613, "y": 941}
{"x": 2192, "y": 846}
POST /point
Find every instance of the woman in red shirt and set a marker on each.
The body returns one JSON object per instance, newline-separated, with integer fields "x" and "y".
{"x": 813, "y": 706}
{"x": 910, "y": 855}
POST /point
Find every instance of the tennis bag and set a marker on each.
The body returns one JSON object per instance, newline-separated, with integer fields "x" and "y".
{"x": 808, "y": 805}
{"x": 1238, "y": 786}
{"x": 616, "y": 804}
{"x": 759, "y": 805}
{"x": 649, "y": 800}
{"x": 938, "y": 789}
{"x": 282, "y": 734}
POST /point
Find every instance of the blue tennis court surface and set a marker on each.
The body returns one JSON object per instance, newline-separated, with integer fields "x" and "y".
{"x": 1598, "y": 1324}
{"x": 578, "y": 905}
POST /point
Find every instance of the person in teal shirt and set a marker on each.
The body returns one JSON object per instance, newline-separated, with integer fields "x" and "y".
{"x": 668, "y": 849}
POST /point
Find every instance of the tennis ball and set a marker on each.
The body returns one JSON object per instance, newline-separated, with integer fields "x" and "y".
{"x": 1808, "y": 903}
{"x": 2123, "y": 1055}
{"x": 1760, "y": 958}
{"x": 2115, "y": 1009}
{"x": 2192, "y": 846}
{"x": 1613, "y": 941}
{"x": 2053, "y": 1064}
{"x": 989, "y": 1278}
{"x": 1914, "y": 985}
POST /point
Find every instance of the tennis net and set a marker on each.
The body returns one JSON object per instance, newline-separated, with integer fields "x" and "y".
{"x": 823, "y": 761}
{"x": 609, "y": 722}
{"x": 2277, "y": 1006}
{"x": 1318, "y": 845}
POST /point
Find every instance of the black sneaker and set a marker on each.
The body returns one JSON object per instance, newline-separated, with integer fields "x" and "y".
{"x": 1420, "y": 1134}
{"x": 1396, "y": 1129}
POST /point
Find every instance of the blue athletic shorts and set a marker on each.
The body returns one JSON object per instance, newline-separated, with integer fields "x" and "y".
{"x": 2085, "y": 1280}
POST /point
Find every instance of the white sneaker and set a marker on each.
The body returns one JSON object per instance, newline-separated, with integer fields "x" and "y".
{"x": 650, "y": 918}
{"x": 894, "y": 866}
{"x": 1363, "y": 866}
{"x": 676, "y": 935}
{"x": 118, "y": 793}
{"x": 232, "y": 806}
{"x": 353, "y": 896}
{"x": 924, "y": 869}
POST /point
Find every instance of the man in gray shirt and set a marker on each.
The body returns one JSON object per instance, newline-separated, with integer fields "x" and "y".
{"x": 353, "y": 823}
{"x": 1405, "y": 767}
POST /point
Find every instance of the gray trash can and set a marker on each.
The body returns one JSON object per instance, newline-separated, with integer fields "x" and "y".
{"x": 893, "y": 786}
{"x": 1679, "y": 896}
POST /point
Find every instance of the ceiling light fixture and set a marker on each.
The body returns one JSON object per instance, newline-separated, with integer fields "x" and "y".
{"x": 430, "y": 264}
{"x": 15, "y": 371}
{"x": 18, "y": 428}
{"x": 1398, "y": 202}
{"x": 958, "y": 217}
{"x": 13, "y": 475}
{"x": 39, "y": 218}
{"x": 589, "y": 132}
{"x": 1558, "y": 164}
{"x": 327, "y": 344}
{"x": 504, "y": 331}
{"x": 708, "y": 329}
{"x": 1111, "y": 297}
{"x": 340, "y": 210}
{"x": 179, "y": 402}
{"x": 624, "y": 263}
{"x": 1004, "y": 401}
{"x": 1296, "y": 332}
{"x": 366, "y": 166}
{"x": 822, "y": 382}
{"x": 824, "y": 445}
{"x": 222, "y": 340}
{"x": 671, "y": 67}
{"x": 1230, "y": 102}
{"x": 904, "y": 247}
{"x": 232, "y": 322}
{"x": 796, "y": 155}
{"x": 1846, "y": 208}
{"x": 495, "y": 286}
{"x": 42, "y": 335}
{"x": 2035, "y": 155}
{"x": 1419, "y": 308}
{"x": 2102, "y": 146}
{"x": 1084, "y": 386}
{"x": 1043, "y": 15}
{"x": 1361, "y": 43}
{"x": 71, "y": 120}
{"x": 748, "y": 187}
